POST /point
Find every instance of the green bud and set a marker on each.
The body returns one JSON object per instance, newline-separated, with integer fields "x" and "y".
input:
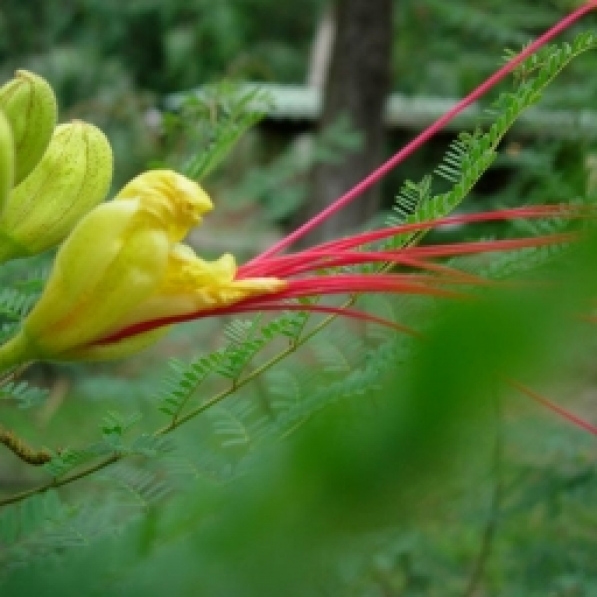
{"x": 6, "y": 159}
{"x": 73, "y": 176}
{"x": 30, "y": 107}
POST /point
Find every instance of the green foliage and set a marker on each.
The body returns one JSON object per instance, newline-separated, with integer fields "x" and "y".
{"x": 24, "y": 395}
{"x": 281, "y": 185}
{"x": 210, "y": 124}
{"x": 461, "y": 40}
{"x": 85, "y": 49}
{"x": 166, "y": 36}
{"x": 471, "y": 155}
{"x": 331, "y": 474}
{"x": 203, "y": 127}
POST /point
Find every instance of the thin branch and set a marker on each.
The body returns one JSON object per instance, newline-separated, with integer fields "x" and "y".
{"x": 19, "y": 447}
{"x": 250, "y": 377}
{"x": 489, "y": 532}
{"x": 18, "y": 497}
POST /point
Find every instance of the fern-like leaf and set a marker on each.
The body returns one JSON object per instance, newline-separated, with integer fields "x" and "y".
{"x": 23, "y": 394}
{"x": 473, "y": 153}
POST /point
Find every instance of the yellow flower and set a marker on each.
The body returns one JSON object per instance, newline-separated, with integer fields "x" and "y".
{"x": 123, "y": 265}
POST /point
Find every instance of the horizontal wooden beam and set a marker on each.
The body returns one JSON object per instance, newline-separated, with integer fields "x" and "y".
{"x": 302, "y": 103}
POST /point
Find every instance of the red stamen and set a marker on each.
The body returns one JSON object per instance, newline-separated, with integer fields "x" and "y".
{"x": 250, "y": 305}
{"x": 372, "y": 283}
{"x": 341, "y": 311}
{"x": 540, "y": 211}
{"x": 562, "y": 412}
{"x": 430, "y": 131}
{"x": 291, "y": 265}
{"x": 452, "y": 250}
{"x": 338, "y": 284}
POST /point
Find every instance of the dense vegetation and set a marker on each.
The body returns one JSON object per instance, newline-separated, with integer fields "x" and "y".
{"x": 297, "y": 454}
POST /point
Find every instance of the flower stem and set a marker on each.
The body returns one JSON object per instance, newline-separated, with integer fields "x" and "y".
{"x": 15, "y": 352}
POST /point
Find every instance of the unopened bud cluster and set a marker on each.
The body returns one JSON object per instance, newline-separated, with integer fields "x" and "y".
{"x": 50, "y": 176}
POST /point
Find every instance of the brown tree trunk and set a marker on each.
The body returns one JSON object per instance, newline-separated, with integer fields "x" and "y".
{"x": 357, "y": 85}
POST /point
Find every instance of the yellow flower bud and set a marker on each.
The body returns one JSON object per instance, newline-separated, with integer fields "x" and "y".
{"x": 123, "y": 265}
{"x": 73, "y": 176}
{"x": 30, "y": 107}
{"x": 6, "y": 159}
